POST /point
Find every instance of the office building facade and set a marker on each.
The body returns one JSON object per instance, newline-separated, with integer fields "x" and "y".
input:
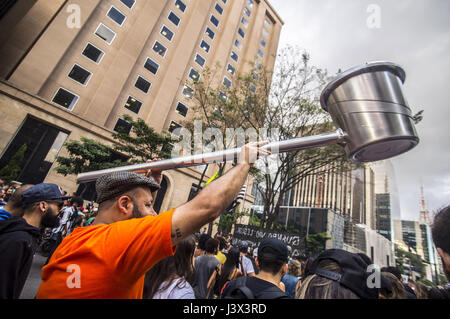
{"x": 73, "y": 68}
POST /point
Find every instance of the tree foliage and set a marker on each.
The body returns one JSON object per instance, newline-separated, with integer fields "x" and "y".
{"x": 315, "y": 243}
{"x": 10, "y": 172}
{"x": 282, "y": 104}
{"x": 138, "y": 146}
{"x": 88, "y": 155}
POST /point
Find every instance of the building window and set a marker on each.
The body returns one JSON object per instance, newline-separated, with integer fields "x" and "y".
{"x": 133, "y": 104}
{"x": 263, "y": 43}
{"x": 218, "y": 8}
{"x": 231, "y": 69}
{"x": 224, "y": 1}
{"x": 247, "y": 11}
{"x": 255, "y": 76}
{"x": 265, "y": 33}
{"x": 194, "y": 75}
{"x": 93, "y": 53}
{"x": 159, "y": 48}
{"x": 142, "y": 84}
{"x": 182, "y": 109}
{"x": 180, "y": 5}
{"x": 210, "y": 33}
{"x": 214, "y": 20}
{"x": 241, "y": 32}
{"x": 151, "y": 65}
{"x": 258, "y": 64}
{"x": 223, "y": 97}
{"x": 252, "y": 88}
{"x": 173, "y": 126}
{"x": 115, "y": 15}
{"x": 244, "y": 22}
{"x": 188, "y": 92}
{"x": 122, "y": 126}
{"x": 205, "y": 46}
{"x": 260, "y": 53}
{"x": 200, "y": 60}
{"x": 250, "y": 3}
{"x": 174, "y": 18}
{"x": 267, "y": 24}
{"x": 105, "y": 33}
{"x": 238, "y": 44}
{"x": 234, "y": 56}
{"x": 80, "y": 74}
{"x": 128, "y": 3}
{"x": 167, "y": 33}
{"x": 65, "y": 98}
{"x": 226, "y": 82}
{"x": 43, "y": 143}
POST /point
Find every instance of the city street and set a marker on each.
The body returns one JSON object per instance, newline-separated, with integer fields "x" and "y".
{"x": 34, "y": 279}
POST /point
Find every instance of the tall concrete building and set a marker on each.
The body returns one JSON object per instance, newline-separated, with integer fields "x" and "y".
{"x": 414, "y": 237}
{"x": 350, "y": 193}
{"x": 387, "y": 205}
{"x": 74, "y": 68}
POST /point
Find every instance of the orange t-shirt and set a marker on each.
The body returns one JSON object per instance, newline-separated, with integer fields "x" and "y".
{"x": 107, "y": 261}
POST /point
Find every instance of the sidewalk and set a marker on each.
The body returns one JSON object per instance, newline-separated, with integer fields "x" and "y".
{"x": 34, "y": 278}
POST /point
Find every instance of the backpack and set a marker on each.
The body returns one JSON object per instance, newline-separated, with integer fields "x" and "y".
{"x": 239, "y": 290}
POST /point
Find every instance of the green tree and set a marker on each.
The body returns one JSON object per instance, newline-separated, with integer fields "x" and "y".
{"x": 407, "y": 259}
{"x": 143, "y": 143}
{"x": 10, "y": 172}
{"x": 138, "y": 146}
{"x": 88, "y": 155}
{"x": 227, "y": 220}
{"x": 284, "y": 103}
{"x": 315, "y": 243}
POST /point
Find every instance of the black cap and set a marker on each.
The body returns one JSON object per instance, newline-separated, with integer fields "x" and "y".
{"x": 280, "y": 248}
{"x": 111, "y": 185}
{"x": 243, "y": 246}
{"x": 354, "y": 273}
{"x": 42, "y": 192}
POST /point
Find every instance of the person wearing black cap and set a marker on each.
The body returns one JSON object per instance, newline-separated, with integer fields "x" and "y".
{"x": 272, "y": 261}
{"x": 339, "y": 274}
{"x": 19, "y": 236}
{"x": 109, "y": 259}
{"x": 245, "y": 263}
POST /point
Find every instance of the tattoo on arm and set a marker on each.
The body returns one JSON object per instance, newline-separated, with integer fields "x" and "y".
{"x": 177, "y": 233}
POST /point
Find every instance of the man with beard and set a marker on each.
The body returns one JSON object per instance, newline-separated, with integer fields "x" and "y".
{"x": 67, "y": 216}
{"x": 440, "y": 231}
{"x": 19, "y": 236}
{"x": 109, "y": 259}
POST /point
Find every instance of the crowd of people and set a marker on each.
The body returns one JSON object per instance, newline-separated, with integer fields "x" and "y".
{"x": 121, "y": 248}
{"x": 198, "y": 271}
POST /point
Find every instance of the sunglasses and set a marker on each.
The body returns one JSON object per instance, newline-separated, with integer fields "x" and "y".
{"x": 59, "y": 203}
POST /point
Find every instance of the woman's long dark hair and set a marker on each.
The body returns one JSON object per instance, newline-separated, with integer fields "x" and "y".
{"x": 230, "y": 264}
{"x": 168, "y": 269}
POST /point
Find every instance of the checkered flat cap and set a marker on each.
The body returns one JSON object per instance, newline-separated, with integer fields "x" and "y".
{"x": 112, "y": 185}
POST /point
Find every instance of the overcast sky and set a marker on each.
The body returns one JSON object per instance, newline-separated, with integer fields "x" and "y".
{"x": 340, "y": 34}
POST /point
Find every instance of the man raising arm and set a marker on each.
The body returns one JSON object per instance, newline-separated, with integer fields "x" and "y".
{"x": 110, "y": 258}
{"x": 215, "y": 198}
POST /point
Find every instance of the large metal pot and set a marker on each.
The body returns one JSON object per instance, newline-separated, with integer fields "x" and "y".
{"x": 368, "y": 104}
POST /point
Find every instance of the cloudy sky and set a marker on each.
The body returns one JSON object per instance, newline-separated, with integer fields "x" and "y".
{"x": 413, "y": 33}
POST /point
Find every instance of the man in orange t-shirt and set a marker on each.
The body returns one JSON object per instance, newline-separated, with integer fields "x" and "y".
{"x": 110, "y": 258}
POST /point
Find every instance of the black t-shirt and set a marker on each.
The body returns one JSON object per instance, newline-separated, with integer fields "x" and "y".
{"x": 261, "y": 289}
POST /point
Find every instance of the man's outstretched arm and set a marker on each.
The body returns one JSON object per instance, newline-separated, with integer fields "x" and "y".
{"x": 215, "y": 198}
